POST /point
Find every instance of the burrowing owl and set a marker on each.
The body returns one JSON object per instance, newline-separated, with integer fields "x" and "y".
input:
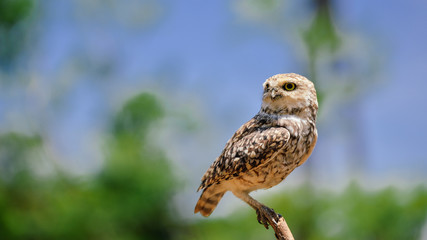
{"x": 267, "y": 148}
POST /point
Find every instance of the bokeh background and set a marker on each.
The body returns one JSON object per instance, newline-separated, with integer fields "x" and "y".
{"x": 112, "y": 110}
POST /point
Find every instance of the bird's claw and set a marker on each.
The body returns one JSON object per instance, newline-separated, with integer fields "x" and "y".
{"x": 266, "y": 213}
{"x": 262, "y": 219}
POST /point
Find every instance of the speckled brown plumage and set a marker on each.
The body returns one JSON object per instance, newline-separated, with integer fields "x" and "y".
{"x": 268, "y": 147}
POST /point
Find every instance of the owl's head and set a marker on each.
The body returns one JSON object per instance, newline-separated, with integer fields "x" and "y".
{"x": 289, "y": 94}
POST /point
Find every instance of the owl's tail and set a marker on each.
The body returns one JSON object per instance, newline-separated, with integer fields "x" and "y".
{"x": 208, "y": 201}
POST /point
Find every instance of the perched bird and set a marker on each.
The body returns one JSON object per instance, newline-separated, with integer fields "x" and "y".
{"x": 262, "y": 153}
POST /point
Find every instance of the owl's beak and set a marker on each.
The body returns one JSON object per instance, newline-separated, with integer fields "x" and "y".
{"x": 273, "y": 93}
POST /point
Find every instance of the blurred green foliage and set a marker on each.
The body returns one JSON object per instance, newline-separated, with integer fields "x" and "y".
{"x": 320, "y": 36}
{"x": 13, "y": 29}
{"x": 13, "y": 11}
{"x": 315, "y": 215}
{"x": 129, "y": 198}
{"x": 321, "y": 33}
{"x": 15, "y": 150}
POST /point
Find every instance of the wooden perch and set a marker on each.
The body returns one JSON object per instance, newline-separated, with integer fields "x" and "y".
{"x": 280, "y": 228}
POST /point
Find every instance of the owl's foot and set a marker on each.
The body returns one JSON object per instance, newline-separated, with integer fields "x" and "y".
{"x": 265, "y": 215}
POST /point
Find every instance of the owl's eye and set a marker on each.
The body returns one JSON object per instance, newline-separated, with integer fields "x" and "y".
{"x": 289, "y": 86}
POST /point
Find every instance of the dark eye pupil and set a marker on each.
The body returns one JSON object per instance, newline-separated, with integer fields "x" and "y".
{"x": 289, "y": 86}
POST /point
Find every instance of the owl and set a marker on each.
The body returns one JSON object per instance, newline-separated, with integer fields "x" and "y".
{"x": 266, "y": 149}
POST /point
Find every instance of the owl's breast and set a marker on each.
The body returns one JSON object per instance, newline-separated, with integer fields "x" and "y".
{"x": 281, "y": 164}
{"x": 265, "y": 176}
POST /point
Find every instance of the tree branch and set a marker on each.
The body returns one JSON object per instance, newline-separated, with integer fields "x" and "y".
{"x": 281, "y": 228}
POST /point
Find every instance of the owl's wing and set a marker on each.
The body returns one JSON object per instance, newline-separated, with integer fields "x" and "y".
{"x": 249, "y": 147}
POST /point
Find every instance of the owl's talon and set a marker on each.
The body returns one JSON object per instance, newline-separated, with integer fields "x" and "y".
{"x": 275, "y": 216}
{"x": 262, "y": 219}
{"x": 266, "y": 213}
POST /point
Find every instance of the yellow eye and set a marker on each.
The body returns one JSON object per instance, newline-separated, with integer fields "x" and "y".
{"x": 289, "y": 86}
